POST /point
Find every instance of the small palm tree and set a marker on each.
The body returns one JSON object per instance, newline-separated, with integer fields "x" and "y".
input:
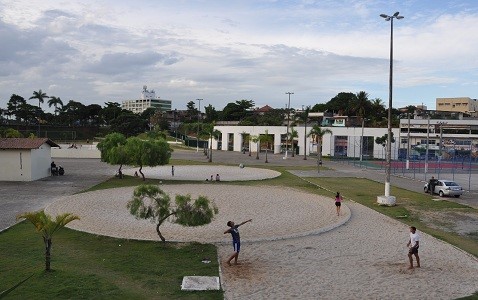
{"x": 304, "y": 117}
{"x": 256, "y": 139}
{"x": 266, "y": 138}
{"x": 319, "y": 133}
{"x": 208, "y": 129}
{"x": 292, "y": 135}
{"x": 46, "y": 226}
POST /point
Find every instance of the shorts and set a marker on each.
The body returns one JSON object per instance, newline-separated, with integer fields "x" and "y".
{"x": 413, "y": 250}
{"x": 237, "y": 246}
{"x": 338, "y": 203}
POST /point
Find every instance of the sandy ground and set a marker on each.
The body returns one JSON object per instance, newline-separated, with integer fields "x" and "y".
{"x": 202, "y": 172}
{"x": 296, "y": 247}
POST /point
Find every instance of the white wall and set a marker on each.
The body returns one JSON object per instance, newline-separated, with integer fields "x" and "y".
{"x": 40, "y": 162}
{"x": 16, "y": 165}
{"x": 353, "y": 134}
{"x": 83, "y": 151}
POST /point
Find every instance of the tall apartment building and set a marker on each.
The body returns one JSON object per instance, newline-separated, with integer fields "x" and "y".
{"x": 147, "y": 99}
{"x": 459, "y": 104}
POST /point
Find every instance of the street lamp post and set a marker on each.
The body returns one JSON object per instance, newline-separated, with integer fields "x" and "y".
{"x": 361, "y": 141}
{"x": 199, "y": 120}
{"x": 408, "y": 142}
{"x": 387, "y": 199}
{"x": 288, "y": 124}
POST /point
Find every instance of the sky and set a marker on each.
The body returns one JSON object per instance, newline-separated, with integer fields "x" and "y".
{"x": 223, "y": 51}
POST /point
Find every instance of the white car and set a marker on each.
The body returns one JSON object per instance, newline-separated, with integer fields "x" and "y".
{"x": 445, "y": 188}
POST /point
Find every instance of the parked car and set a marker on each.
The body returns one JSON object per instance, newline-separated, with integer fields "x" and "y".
{"x": 445, "y": 188}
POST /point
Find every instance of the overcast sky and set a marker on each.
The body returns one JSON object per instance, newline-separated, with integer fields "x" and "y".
{"x": 223, "y": 51}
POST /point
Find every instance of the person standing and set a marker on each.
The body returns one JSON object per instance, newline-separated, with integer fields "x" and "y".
{"x": 338, "y": 202}
{"x": 172, "y": 171}
{"x": 236, "y": 239}
{"x": 413, "y": 244}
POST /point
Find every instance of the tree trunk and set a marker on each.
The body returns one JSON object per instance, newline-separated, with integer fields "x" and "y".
{"x": 266, "y": 154}
{"x": 47, "y": 253}
{"x": 159, "y": 224}
{"x": 258, "y": 149}
{"x": 120, "y": 173}
{"x": 141, "y": 172}
{"x": 292, "y": 144}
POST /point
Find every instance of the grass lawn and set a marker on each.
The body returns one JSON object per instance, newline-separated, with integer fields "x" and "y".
{"x": 88, "y": 266}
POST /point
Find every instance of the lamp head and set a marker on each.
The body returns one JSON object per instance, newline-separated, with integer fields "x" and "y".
{"x": 384, "y": 16}
{"x": 396, "y": 14}
{"x": 400, "y": 17}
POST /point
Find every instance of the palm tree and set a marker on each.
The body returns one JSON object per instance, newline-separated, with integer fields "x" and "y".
{"x": 362, "y": 104}
{"x": 212, "y": 133}
{"x": 55, "y": 101}
{"x": 256, "y": 139}
{"x": 292, "y": 135}
{"x": 47, "y": 227}
{"x": 267, "y": 139}
{"x": 41, "y": 96}
{"x": 304, "y": 117}
{"x": 319, "y": 133}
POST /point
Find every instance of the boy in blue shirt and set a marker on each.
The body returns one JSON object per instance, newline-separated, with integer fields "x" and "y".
{"x": 236, "y": 239}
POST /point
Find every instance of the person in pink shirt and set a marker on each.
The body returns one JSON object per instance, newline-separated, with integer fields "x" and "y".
{"x": 338, "y": 202}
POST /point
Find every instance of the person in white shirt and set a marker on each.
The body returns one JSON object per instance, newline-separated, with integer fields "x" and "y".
{"x": 413, "y": 244}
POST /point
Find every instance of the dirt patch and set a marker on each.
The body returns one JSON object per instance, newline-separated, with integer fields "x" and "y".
{"x": 462, "y": 223}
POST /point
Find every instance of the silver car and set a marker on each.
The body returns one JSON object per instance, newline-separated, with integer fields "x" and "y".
{"x": 445, "y": 188}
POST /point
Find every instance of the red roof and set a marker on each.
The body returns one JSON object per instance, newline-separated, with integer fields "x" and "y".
{"x": 266, "y": 108}
{"x": 25, "y": 143}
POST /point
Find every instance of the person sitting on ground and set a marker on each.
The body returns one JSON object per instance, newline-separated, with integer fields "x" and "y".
{"x": 218, "y": 178}
{"x": 53, "y": 168}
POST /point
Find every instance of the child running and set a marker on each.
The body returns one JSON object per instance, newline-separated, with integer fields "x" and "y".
{"x": 236, "y": 239}
{"x": 338, "y": 202}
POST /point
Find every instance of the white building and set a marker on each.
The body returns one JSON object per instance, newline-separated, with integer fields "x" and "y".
{"x": 25, "y": 159}
{"x": 147, "y": 99}
{"x": 344, "y": 141}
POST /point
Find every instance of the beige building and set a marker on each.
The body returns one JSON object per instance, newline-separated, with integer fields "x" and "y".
{"x": 25, "y": 159}
{"x": 459, "y": 104}
{"x": 148, "y": 99}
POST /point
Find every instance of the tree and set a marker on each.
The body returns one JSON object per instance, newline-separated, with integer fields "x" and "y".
{"x": 12, "y": 133}
{"x": 150, "y": 202}
{"x": 110, "y": 111}
{"x": 362, "y": 104}
{"x": 256, "y": 139}
{"x": 192, "y": 112}
{"x": 55, "y": 101}
{"x": 129, "y": 124}
{"x": 46, "y": 226}
{"x": 14, "y": 106}
{"x": 292, "y": 135}
{"x": 147, "y": 153}
{"x": 40, "y": 95}
{"x": 110, "y": 152}
{"x": 304, "y": 118}
{"x": 319, "y": 133}
{"x": 212, "y": 133}
{"x": 211, "y": 114}
{"x": 384, "y": 139}
{"x": 266, "y": 138}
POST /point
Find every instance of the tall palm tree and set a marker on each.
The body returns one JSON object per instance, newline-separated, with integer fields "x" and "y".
{"x": 41, "y": 96}
{"x": 46, "y": 226}
{"x": 319, "y": 133}
{"x": 212, "y": 133}
{"x": 55, "y": 101}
